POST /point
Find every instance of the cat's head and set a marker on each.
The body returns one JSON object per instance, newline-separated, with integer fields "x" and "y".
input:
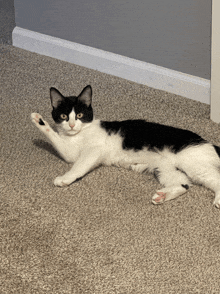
{"x": 73, "y": 113}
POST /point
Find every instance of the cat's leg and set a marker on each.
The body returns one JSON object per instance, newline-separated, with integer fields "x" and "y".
{"x": 87, "y": 161}
{"x": 209, "y": 176}
{"x": 202, "y": 165}
{"x": 175, "y": 183}
{"x": 58, "y": 143}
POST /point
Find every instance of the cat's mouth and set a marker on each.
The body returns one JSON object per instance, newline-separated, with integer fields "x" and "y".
{"x": 72, "y": 132}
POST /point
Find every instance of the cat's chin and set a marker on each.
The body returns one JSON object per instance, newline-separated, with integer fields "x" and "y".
{"x": 72, "y": 132}
{"x": 67, "y": 132}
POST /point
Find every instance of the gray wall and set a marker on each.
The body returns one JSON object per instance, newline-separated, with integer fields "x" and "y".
{"x": 7, "y": 21}
{"x": 175, "y": 34}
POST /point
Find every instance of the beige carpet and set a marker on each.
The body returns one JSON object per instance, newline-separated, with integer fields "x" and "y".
{"x": 100, "y": 235}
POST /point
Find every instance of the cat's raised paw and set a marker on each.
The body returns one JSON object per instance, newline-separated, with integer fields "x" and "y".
{"x": 36, "y": 118}
{"x": 41, "y": 124}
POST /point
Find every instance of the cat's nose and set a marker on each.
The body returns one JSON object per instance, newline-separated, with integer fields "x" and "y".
{"x": 72, "y": 126}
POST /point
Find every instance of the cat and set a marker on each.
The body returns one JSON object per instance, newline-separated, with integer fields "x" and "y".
{"x": 177, "y": 157}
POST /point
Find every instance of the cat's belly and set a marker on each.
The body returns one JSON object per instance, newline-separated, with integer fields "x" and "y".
{"x": 128, "y": 158}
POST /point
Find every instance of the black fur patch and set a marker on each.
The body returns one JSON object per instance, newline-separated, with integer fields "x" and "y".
{"x": 138, "y": 134}
{"x": 156, "y": 174}
{"x": 217, "y": 149}
{"x": 67, "y": 103}
{"x": 185, "y": 186}
{"x": 41, "y": 122}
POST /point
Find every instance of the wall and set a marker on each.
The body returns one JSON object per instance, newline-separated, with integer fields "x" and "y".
{"x": 215, "y": 72}
{"x": 7, "y": 21}
{"x": 175, "y": 34}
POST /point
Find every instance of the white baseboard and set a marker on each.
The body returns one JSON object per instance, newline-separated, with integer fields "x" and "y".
{"x": 134, "y": 70}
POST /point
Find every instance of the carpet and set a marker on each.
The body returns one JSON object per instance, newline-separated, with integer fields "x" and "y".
{"x": 101, "y": 234}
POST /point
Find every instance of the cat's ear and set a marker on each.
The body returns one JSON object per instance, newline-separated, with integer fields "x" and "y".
{"x": 56, "y": 97}
{"x": 86, "y": 96}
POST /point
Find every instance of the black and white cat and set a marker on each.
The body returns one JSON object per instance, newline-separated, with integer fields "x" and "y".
{"x": 178, "y": 157}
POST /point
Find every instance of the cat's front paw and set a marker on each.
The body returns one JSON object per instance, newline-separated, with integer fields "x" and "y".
{"x": 41, "y": 124}
{"x": 62, "y": 181}
{"x": 37, "y": 119}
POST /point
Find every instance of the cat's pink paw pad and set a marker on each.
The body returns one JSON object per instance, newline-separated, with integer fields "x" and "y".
{"x": 38, "y": 120}
{"x": 36, "y": 117}
{"x": 159, "y": 197}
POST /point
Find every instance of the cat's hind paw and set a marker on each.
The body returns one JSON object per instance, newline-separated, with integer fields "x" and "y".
{"x": 159, "y": 197}
{"x": 169, "y": 193}
{"x": 217, "y": 205}
{"x": 217, "y": 201}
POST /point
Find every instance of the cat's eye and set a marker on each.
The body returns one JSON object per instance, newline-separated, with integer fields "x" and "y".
{"x": 79, "y": 115}
{"x": 63, "y": 116}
